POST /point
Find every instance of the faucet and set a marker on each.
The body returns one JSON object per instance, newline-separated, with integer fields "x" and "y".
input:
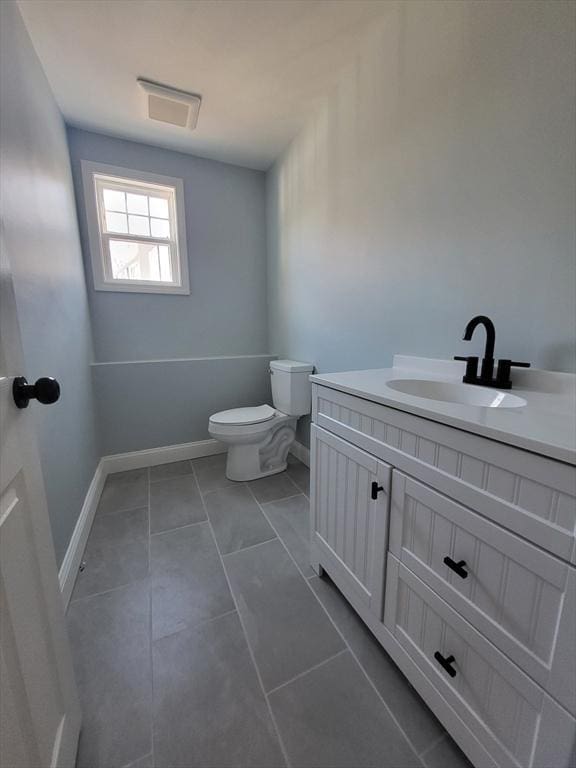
{"x": 502, "y": 380}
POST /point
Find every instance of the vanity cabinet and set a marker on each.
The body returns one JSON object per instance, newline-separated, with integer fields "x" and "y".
{"x": 462, "y": 566}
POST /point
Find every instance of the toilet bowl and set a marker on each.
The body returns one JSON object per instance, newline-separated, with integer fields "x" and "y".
{"x": 259, "y": 438}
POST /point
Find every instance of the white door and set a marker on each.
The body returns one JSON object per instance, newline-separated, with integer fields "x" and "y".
{"x": 39, "y": 709}
{"x": 350, "y": 493}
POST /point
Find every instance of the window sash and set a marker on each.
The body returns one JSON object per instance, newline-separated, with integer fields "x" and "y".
{"x": 102, "y": 182}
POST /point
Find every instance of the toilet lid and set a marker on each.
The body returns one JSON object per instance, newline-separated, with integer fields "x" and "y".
{"x": 240, "y": 416}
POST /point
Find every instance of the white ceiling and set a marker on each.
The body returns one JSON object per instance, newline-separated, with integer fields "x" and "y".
{"x": 260, "y": 65}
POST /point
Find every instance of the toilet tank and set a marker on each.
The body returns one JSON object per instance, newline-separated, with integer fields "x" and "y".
{"x": 291, "y": 388}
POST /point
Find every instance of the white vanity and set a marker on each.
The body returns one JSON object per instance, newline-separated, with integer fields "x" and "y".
{"x": 450, "y": 527}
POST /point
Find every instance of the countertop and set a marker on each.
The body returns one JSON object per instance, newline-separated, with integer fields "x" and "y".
{"x": 545, "y": 425}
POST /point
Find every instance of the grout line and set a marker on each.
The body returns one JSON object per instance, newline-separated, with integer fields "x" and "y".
{"x": 343, "y": 638}
{"x": 117, "y": 511}
{"x": 192, "y": 627}
{"x": 307, "y": 671}
{"x": 270, "y": 522}
{"x": 178, "y": 527}
{"x": 250, "y": 651}
{"x": 250, "y": 546}
{"x": 173, "y": 477}
{"x": 284, "y": 498}
{"x": 150, "y": 619}
{"x": 107, "y": 591}
{"x": 431, "y": 746}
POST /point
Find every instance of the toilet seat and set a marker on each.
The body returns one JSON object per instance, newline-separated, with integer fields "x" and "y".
{"x": 243, "y": 416}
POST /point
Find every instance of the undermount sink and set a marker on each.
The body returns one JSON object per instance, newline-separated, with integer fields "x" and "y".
{"x": 453, "y": 392}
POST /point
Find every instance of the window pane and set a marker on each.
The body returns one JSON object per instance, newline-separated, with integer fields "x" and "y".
{"x": 116, "y": 222}
{"x": 114, "y": 200}
{"x": 160, "y": 227}
{"x": 159, "y": 207}
{"x": 165, "y": 264}
{"x": 137, "y": 203}
{"x": 139, "y": 225}
{"x": 140, "y": 261}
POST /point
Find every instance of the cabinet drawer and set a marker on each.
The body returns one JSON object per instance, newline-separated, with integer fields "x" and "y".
{"x": 529, "y": 494}
{"x": 520, "y": 597}
{"x": 497, "y": 701}
{"x": 350, "y": 494}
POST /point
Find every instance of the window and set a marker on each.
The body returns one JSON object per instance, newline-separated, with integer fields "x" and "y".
{"x": 136, "y": 230}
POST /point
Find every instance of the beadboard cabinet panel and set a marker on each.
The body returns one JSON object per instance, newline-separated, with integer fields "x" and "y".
{"x": 349, "y": 525}
{"x": 519, "y": 596}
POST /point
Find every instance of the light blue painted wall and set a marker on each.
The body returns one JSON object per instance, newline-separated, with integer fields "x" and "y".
{"x": 225, "y": 313}
{"x": 153, "y": 404}
{"x": 41, "y": 236}
{"x": 437, "y": 182}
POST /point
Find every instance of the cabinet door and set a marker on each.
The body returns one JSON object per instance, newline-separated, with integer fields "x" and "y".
{"x": 350, "y": 492}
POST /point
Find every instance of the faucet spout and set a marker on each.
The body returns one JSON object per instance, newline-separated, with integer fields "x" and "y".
{"x": 490, "y": 334}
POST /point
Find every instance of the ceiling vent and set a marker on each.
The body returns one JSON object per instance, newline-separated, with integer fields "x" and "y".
{"x": 169, "y": 105}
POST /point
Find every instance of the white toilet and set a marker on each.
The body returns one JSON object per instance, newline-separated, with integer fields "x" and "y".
{"x": 259, "y": 438}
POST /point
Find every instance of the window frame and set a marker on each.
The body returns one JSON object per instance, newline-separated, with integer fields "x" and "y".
{"x": 98, "y": 238}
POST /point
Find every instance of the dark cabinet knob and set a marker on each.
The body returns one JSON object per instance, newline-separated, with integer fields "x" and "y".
{"x": 457, "y": 567}
{"x": 375, "y": 490}
{"x": 46, "y": 390}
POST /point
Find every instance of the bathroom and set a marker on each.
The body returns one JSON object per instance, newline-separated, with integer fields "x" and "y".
{"x": 257, "y": 514}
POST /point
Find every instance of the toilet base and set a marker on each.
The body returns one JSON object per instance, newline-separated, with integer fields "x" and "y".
{"x": 255, "y": 460}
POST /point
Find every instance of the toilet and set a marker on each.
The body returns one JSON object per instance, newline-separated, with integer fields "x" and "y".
{"x": 259, "y": 438}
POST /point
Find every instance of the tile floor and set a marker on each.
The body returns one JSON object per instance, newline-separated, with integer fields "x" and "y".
{"x": 203, "y": 639}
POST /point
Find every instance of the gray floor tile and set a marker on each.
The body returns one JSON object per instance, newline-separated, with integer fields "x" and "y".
{"x": 291, "y": 519}
{"x": 110, "y": 639}
{"x": 144, "y": 762}
{"x": 116, "y": 552}
{"x": 332, "y": 717}
{"x": 236, "y": 518}
{"x": 413, "y": 715}
{"x": 209, "y": 707}
{"x": 273, "y": 487}
{"x": 287, "y": 628}
{"x": 188, "y": 581}
{"x": 211, "y": 472}
{"x": 299, "y": 474}
{"x": 175, "y": 502}
{"x": 174, "y": 469}
{"x": 446, "y": 754}
{"x": 124, "y": 490}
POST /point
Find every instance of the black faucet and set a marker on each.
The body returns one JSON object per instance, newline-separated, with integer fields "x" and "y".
{"x": 486, "y": 377}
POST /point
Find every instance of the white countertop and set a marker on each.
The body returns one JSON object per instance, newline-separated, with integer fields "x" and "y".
{"x": 546, "y": 425}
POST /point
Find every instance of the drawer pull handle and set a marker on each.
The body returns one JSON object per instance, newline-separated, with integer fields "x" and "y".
{"x": 456, "y": 567}
{"x": 376, "y": 490}
{"x": 446, "y": 663}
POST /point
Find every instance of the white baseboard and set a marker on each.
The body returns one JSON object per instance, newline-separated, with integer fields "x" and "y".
{"x": 301, "y": 452}
{"x": 73, "y": 556}
{"x": 119, "y": 463}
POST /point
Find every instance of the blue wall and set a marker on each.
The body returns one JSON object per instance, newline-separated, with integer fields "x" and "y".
{"x": 225, "y": 313}
{"x": 165, "y": 363}
{"x": 437, "y": 182}
{"x": 41, "y": 238}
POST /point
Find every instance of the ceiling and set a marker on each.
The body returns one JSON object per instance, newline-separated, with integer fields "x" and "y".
{"x": 261, "y": 66}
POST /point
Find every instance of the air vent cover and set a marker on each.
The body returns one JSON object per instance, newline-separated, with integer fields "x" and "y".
{"x": 169, "y": 105}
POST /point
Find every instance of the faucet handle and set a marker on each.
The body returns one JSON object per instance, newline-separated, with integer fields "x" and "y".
{"x": 471, "y": 368}
{"x": 503, "y": 372}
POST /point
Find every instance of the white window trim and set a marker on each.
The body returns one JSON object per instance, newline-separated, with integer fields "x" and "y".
{"x": 95, "y": 245}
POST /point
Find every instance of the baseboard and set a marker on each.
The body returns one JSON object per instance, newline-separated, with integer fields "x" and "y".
{"x": 120, "y": 462}
{"x": 301, "y": 452}
{"x": 73, "y": 556}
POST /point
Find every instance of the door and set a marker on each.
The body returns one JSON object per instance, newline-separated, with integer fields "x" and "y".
{"x": 39, "y": 709}
{"x": 350, "y": 492}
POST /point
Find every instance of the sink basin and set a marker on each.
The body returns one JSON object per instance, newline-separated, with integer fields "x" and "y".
{"x": 453, "y": 392}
